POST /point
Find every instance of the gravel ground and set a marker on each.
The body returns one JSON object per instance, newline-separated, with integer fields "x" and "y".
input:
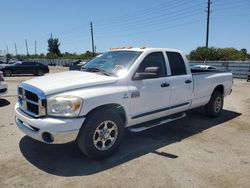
{"x": 196, "y": 151}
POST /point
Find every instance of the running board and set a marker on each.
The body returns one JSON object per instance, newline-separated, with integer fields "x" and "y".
{"x": 155, "y": 123}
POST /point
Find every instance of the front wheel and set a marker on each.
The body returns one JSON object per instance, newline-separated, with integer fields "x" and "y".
{"x": 215, "y": 104}
{"x": 101, "y": 134}
{"x": 7, "y": 73}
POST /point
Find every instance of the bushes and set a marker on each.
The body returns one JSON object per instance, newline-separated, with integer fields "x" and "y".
{"x": 223, "y": 54}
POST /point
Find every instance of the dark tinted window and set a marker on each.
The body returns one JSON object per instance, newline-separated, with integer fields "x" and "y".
{"x": 155, "y": 59}
{"x": 27, "y": 63}
{"x": 176, "y": 63}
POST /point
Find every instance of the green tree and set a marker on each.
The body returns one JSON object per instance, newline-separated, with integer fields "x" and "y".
{"x": 51, "y": 55}
{"x": 244, "y": 53}
{"x": 223, "y": 54}
{"x": 8, "y": 56}
{"x": 53, "y": 47}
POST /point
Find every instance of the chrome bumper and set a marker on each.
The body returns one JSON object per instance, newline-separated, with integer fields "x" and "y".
{"x": 61, "y": 130}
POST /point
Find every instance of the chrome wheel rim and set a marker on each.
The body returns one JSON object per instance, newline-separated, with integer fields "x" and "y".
{"x": 218, "y": 104}
{"x": 105, "y": 135}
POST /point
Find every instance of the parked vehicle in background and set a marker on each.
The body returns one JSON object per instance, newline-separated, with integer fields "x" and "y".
{"x": 66, "y": 64}
{"x": 52, "y": 63}
{"x": 76, "y": 65}
{"x": 24, "y": 67}
{"x": 248, "y": 76}
{"x": 206, "y": 67}
{"x": 134, "y": 88}
{"x": 5, "y": 64}
{"x": 3, "y": 85}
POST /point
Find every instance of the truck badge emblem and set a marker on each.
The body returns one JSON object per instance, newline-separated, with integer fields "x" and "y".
{"x": 135, "y": 94}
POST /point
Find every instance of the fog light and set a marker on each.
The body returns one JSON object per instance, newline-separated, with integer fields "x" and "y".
{"x": 47, "y": 137}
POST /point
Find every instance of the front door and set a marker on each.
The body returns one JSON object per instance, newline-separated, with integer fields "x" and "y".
{"x": 150, "y": 98}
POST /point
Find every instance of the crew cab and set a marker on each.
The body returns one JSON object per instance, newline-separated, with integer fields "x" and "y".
{"x": 3, "y": 85}
{"x": 24, "y": 67}
{"x": 132, "y": 88}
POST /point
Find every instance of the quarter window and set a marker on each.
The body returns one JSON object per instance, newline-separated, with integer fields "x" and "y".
{"x": 177, "y": 64}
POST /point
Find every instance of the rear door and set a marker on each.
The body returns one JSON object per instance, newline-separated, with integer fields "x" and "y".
{"x": 28, "y": 67}
{"x": 181, "y": 82}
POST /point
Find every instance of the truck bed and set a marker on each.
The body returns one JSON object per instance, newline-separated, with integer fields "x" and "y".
{"x": 201, "y": 71}
{"x": 204, "y": 82}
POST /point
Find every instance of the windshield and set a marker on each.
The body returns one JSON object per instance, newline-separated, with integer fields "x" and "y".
{"x": 113, "y": 62}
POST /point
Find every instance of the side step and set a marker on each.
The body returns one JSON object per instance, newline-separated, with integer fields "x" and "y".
{"x": 157, "y": 122}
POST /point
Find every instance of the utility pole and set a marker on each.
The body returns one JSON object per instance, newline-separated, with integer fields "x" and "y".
{"x": 208, "y": 18}
{"x": 15, "y": 49}
{"x": 7, "y": 48}
{"x": 27, "y": 50}
{"x": 92, "y": 37}
{"x": 35, "y": 47}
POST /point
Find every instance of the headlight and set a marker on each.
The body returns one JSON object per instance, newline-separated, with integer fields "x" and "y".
{"x": 64, "y": 106}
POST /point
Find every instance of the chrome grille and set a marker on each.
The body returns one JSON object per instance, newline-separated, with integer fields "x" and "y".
{"x": 31, "y": 100}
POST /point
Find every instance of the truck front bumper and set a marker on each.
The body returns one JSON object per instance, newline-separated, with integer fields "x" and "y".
{"x": 48, "y": 130}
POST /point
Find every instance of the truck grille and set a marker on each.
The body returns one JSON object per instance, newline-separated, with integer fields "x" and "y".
{"x": 31, "y": 100}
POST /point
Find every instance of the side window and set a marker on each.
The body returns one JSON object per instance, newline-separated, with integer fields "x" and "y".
{"x": 155, "y": 59}
{"x": 27, "y": 63}
{"x": 177, "y": 64}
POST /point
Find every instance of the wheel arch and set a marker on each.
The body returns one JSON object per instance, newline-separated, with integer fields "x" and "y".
{"x": 119, "y": 109}
{"x": 219, "y": 88}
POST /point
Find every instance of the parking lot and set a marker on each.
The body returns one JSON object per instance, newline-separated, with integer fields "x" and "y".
{"x": 196, "y": 151}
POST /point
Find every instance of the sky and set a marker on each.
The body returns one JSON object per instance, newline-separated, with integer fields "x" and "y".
{"x": 177, "y": 24}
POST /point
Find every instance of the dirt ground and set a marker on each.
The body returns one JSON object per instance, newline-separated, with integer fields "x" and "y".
{"x": 196, "y": 151}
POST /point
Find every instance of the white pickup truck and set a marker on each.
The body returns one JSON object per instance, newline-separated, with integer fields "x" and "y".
{"x": 134, "y": 88}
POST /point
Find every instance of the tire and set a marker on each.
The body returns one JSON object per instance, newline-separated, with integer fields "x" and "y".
{"x": 7, "y": 73}
{"x": 214, "y": 107}
{"x": 40, "y": 73}
{"x": 101, "y": 134}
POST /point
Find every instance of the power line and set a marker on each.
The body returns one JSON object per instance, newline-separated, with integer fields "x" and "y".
{"x": 163, "y": 15}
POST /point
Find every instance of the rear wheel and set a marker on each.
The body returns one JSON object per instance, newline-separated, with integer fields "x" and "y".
{"x": 215, "y": 104}
{"x": 101, "y": 134}
{"x": 40, "y": 73}
{"x": 7, "y": 73}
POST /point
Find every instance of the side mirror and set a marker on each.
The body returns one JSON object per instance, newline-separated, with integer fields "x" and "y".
{"x": 149, "y": 72}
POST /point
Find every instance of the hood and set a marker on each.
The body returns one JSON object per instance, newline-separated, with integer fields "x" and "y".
{"x": 65, "y": 81}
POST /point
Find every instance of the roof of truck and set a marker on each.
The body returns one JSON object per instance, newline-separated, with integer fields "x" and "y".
{"x": 143, "y": 49}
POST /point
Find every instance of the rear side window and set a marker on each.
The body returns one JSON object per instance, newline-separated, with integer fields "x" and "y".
{"x": 28, "y": 63}
{"x": 177, "y": 64}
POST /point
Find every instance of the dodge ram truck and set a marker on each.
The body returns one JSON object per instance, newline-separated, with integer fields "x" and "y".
{"x": 132, "y": 88}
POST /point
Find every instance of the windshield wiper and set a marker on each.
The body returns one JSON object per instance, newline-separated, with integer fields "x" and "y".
{"x": 97, "y": 70}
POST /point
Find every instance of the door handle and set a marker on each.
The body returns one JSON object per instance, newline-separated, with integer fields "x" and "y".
{"x": 188, "y": 81}
{"x": 165, "y": 85}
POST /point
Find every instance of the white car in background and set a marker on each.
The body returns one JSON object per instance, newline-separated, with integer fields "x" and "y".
{"x": 3, "y": 85}
{"x": 205, "y": 67}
